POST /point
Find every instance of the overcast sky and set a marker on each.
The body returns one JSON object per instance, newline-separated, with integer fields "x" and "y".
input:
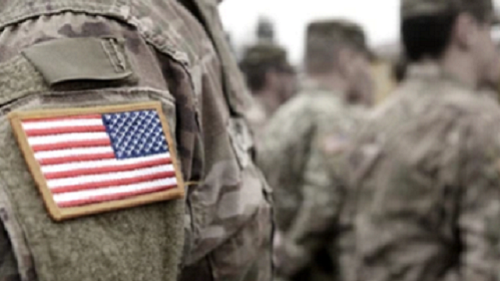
{"x": 379, "y": 17}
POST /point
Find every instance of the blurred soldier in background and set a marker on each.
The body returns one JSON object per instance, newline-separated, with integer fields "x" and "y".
{"x": 423, "y": 174}
{"x": 265, "y": 31}
{"x": 271, "y": 79}
{"x": 318, "y": 120}
{"x": 93, "y": 53}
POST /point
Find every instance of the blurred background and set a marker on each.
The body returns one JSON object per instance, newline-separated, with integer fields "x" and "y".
{"x": 289, "y": 19}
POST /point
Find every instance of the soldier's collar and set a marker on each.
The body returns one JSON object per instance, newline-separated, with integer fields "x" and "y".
{"x": 310, "y": 84}
{"x": 431, "y": 70}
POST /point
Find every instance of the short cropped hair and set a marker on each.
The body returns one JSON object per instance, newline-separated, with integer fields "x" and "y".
{"x": 259, "y": 59}
{"x": 429, "y": 35}
{"x": 324, "y": 40}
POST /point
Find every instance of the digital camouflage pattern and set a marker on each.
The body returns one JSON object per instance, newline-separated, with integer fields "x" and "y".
{"x": 423, "y": 177}
{"x": 182, "y": 61}
{"x": 314, "y": 125}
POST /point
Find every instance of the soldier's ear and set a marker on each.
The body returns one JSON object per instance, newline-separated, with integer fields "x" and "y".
{"x": 272, "y": 78}
{"x": 464, "y": 31}
{"x": 345, "y": 61}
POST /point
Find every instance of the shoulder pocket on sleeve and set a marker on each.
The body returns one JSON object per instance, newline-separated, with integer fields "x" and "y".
{"x": 89, "y": 58}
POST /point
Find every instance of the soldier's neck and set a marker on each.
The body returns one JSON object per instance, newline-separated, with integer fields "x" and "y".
{"x": 331, "y": 82}
{"x": 269, "y": 99}
{"x": 459, "y": 66}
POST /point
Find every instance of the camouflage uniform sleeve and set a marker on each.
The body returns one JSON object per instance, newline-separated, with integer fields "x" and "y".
{"x": 479, "y": 214}
{"x": 8, "y": 266}
{"x": 280, "y": 155}
{"x": 320, "y": 205}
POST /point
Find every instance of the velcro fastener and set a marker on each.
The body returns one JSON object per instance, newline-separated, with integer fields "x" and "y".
{"x": 72, "y": 59}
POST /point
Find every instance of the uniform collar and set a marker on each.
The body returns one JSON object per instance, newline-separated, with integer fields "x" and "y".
{"x": 312, "y": 85}
{"x": 432, "y": 71}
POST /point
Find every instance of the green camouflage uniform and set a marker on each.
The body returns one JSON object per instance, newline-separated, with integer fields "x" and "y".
{"x": 424, "y": 177}
{"x": 179, "y": 60}
{"x": 315, "y": 123}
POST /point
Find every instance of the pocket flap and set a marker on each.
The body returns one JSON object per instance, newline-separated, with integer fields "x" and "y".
{"x": 80, "y": 59}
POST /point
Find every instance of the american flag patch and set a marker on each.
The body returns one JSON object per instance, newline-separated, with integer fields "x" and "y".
{"x": 87, "y": 161}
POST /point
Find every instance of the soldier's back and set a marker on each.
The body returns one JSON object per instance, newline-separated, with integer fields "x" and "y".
{"x": 423, "y": 183}
{"x": 310, "y": 128}
{"x": 285, "y": 146}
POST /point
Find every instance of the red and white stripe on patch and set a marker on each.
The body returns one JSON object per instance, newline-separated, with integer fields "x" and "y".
{"x": 80, "y": 166}
{"x": 92, "y": 160}
{"x": 98, "y": 159}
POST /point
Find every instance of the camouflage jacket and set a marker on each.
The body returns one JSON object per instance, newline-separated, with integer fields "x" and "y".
{"x": 292, "y": 154}
{"x": 423, "y": 178}
{"x": 180, "y": 60}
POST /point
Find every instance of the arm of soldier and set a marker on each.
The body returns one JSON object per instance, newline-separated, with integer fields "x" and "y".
{"x": 8, "y": 265}
{"x": 280, "y": 157}
{"x": 479, "y": 216}
{"x": 320, "y": 206}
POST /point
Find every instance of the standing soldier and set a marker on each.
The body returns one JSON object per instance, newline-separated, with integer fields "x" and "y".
{"x": 271, "y": 79}
{"x": 265, "y": 31}
{"x": 425, "y": 169}
{"x": 316, "y": 121}
{"x": 111, "y": 111}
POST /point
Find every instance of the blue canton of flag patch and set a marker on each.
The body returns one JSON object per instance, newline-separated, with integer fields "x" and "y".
{"x": 135, "y": 134}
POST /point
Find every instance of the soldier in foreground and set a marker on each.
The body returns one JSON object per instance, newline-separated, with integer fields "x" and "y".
{"x": 424, "y": 174}
{"x": 116, "y": 81}
{"x": 316, "y": 121}
{"x": 271, "y": 79}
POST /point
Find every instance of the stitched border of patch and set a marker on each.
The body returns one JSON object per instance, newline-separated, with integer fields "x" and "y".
{"x": 61, "y": 213}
